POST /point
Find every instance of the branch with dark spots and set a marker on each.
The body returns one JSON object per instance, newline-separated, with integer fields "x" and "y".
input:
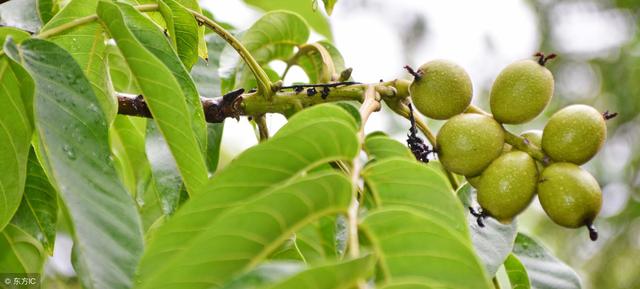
{"x": 317, "y": 85}
{"x": 242, "y": 103}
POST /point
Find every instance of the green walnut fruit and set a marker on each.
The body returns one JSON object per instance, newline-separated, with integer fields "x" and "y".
{"x": 508, "y": 185}
{"x": 467, "y": 143}
{"x": 574, "y": 134}
{"x": 569, "y": 195}
{"x": 474, "y": 181}
{"x": 441, "y": 89}
{"x": 521, "y": 92}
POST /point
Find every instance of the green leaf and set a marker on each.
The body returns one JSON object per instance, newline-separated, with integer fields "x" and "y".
{"x": 316, "y": 20}
{"x": 183, "y": 30}
{"x": 202, "y": 45}
{"x": 165, "y": 172}
{"x": 207, "y": 79}
{"x": 317, "y": 241}
{"x": 38, "y": 212}
{"x": 328, "y": 5}
{"x": 21, "y": 253}
{"x": 267, "y": 273}
{"x": 379, "y": 146}
{"x": 156, "y": 43}
{"x": 121, "y": 76}
{"x": 73, "y": 137}
{"x": 274, "y": 36}
{"x": 545, "y": 271}
{"x": 400, "y": 181}
{"x": 494, "y": 241}
{"x": 341, "y": 275}
{"x": 46, "y": 9}
{"x": 241, "y": 237}
{"x": 162, "y": 93}
{"x": 518, "y": 276}
{"x": 130, "y": 132}
{"x": 264, "y": 173}
{"x": 214, "y": 138}
{"x": 422, "y": 247}
{"x": 86, "y": 43}
{"x": 15, "y": 138}
{"x": 316, "y": 62}
{"x": 18, "y": 35}
{"x": 205, "y": 74}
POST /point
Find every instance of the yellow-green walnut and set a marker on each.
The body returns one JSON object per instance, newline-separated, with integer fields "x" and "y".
{"x": 467, "y": 143}
{"x": 508, "y": 185}
{"x": 569, "y": 195}
{"x": 574, "y": 134}
{"x": 521, "y": 92}
{"x": 441, "y": 89}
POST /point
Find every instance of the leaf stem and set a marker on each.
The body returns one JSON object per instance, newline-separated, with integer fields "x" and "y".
{"x": 264, "y": 84}
{"x": 261, "y": 121}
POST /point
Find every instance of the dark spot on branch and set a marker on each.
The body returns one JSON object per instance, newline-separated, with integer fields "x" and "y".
{"x": 325, "y": 93}
{"x": 311, "y": 91}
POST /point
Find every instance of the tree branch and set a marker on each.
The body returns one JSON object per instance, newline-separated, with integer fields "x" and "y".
{"x": 238, "y": 103}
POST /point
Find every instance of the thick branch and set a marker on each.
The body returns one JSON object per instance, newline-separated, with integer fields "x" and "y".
{"x": 238, "y": 103}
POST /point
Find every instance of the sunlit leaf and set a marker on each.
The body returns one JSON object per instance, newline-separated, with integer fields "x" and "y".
{"x": 163, "y": 95}
{"x": 73, "y": 138}
{"x": 494, "y": 241}
{"x": 517, "y": 273}
{"x": 305, "y": 8}
{"x": 15, "y": 138}
{"x": 420, "y": 246}
{"x": 264, "y": 274}
{"x": 46, "y": 9}
{"x": 86, "y": 43}
{"x": 313, "y": 61}
{"x": 202, "y": 44}
{"x": 264, "y": 173}
{"x": 545, "y": 271}
{"x": 342, "y": 275}
{"x": 402, "y": 181}
{"x": 38, "y": 212}
{"x": 183, "y": 30}
{"x": 328, "y": 5}
{"x": 21, "y": 253}
{"x": 121, "y": 76}
{"x": 155, "y": 42}
{"x": 274, "y": 36}
{"x": 379, "y": 146}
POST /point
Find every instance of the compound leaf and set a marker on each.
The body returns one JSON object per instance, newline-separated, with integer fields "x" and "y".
{"x": 261, "y": 173}
{"x": 73, "y": 140}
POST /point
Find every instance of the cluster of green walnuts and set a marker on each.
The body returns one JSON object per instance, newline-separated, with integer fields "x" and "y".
{"x": 472, "y": 143}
